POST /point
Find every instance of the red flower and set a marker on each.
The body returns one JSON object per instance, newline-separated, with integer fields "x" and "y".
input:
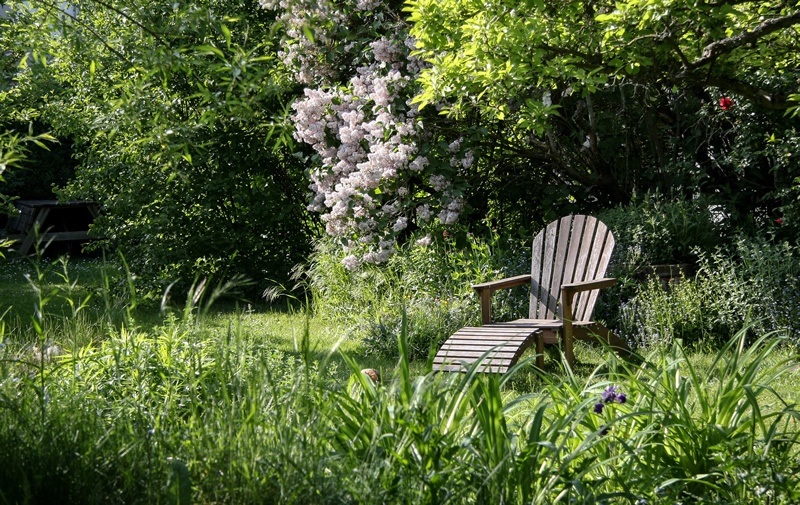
{"x": 726, "y": 103}
{"x": 779, "y": 221}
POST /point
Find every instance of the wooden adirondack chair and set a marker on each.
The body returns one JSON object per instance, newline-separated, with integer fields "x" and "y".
{"x": 570, "y": 258}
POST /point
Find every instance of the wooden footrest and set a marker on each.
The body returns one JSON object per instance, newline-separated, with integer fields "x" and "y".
{"x": 504, "y": 346}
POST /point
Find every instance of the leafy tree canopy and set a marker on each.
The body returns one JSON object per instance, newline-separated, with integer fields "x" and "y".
{"x": 607, "y": 99}
{"x": 172, "y": 109}
{"x": 482, "y": 50}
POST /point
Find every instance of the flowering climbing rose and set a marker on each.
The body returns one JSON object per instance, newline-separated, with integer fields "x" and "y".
{"x": 380, "y": 169}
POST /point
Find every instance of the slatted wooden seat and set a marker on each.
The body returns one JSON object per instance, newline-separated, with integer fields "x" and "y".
{"x": 570, "y": 258}
{"x": 504, "y": 346}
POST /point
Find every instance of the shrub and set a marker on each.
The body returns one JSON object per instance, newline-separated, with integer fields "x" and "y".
{"x": 754, "y": 279}
{"x": 655, "y": 316}
{"x": 183, "y": 157}
{"x": 431, "y": 283}
{"x": 665, "y": 231}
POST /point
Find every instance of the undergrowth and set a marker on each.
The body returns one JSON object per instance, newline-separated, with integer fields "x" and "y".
{"x": 754, "y": 280}
{"x": 430, "y": 283}
{"x": 175, "y": 414}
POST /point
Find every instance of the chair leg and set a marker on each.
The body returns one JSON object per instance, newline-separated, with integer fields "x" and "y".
{"x": 567, "y": 336}
{"x": 540, "y": 350}
{"x": 566, "y": 307}
{"x": 568, "y": 349}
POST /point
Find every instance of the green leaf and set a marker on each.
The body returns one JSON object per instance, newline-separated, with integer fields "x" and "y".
{"x": 308, "y": 33}
{"x": 227, "y": 34}
{"x": 206, "y": 49}
{"x": 179, "y": 487}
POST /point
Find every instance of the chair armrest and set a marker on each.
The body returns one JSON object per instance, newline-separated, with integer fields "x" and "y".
{"x": 577, "y": 287}
{"x": 485, "y": 290}
{"x": 568, "y": 292}
{"x": 510, "y": 282}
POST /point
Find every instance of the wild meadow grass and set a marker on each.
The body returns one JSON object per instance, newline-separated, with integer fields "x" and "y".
{"x": 244, "y": 406}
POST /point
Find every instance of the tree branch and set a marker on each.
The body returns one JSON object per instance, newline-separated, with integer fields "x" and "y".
{"x": 85, "y": 26}
{"x": 592, "y": 59}
{"x": 716, "y": 5}
{"x": 132, "y": 20}
{"x": 720, "y": 47}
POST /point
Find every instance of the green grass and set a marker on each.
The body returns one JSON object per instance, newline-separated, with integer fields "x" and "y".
{"x": 255, "y": 405}
{"x": 82, "y": 297}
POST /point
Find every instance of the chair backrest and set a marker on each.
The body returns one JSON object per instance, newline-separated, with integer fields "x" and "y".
{"x": 572, "y": 249}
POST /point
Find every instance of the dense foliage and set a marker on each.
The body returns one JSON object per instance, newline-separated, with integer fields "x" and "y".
{"x": 180, "y": 414}
{"x": 598, "y": 102}
{"x": 546, "y": 108}
{"x": 414, "y": 119}
{"x": 171, "y": 111}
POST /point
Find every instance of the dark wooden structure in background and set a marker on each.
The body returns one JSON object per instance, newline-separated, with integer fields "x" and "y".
{"x": 54, "y": 220}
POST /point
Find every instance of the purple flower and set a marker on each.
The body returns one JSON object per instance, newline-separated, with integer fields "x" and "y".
{"x": 604, "y": 430}
{"x": 598, "y": 408}
{"x": 621, "y": 398}
{"x": 610, "y": 394}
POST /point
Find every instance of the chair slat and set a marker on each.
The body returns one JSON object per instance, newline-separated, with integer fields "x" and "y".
{"x": 463, "y": 364}
{"x": 536, "y": 273}
{"x": 489, "y": 340}
{"x": 481, "y": 369}
{"x": 477, "y": 353}
{"x": 547, "y": 269}
{"x": 472, "y": 359}
{"x": 531, "y": 323}
{"x": 584, "y": 254}
{"x": 587, "y": 310}
{"x": 592, "y": 268}
{"x": 564, "y": 229}
{"x": 491, "y": 329}
{"x": 472, "y": 350}
{"x": 578, "y": 224}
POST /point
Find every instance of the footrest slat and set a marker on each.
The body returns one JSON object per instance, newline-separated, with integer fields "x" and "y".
{"x": 499, "y": 347}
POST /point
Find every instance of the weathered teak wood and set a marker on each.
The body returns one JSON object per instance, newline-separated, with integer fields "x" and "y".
{"x": 499, "y": 347}
{"x": 570, "y": 258}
